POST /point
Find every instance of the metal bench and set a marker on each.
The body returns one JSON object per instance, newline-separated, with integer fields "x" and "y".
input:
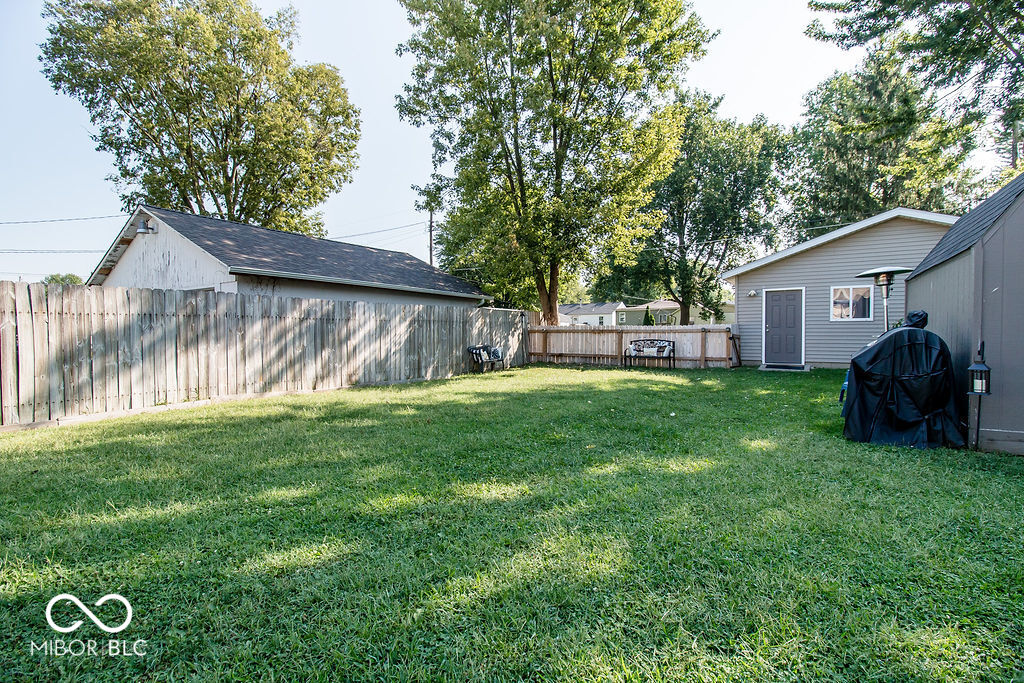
{"x": 664, "y": 349}
{"x": 485, "y": 355}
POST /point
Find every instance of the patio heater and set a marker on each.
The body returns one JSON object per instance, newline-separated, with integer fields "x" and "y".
{"x": 884, "y": 278}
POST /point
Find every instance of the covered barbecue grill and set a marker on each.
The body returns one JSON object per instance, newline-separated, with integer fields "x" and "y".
{"x": 901, "y": 390}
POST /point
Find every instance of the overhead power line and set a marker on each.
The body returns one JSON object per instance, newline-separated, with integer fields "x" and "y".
{"x": 63, "y": 220}
{"x": 51, "y": 251}
{"x": 374, "y": 232}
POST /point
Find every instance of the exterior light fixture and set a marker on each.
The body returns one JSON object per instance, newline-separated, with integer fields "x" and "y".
{"x": 752, "y": 292}
{"x": 980, "y": 377}
{"x": 884, "y": 279}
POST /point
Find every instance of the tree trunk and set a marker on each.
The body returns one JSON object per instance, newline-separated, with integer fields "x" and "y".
{"x": 684, "y": 312}
{"x": 547, "y": 290}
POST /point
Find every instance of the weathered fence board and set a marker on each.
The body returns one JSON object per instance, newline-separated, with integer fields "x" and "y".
{"x": 696, "y": 346}
{"x": 69, "y": 351}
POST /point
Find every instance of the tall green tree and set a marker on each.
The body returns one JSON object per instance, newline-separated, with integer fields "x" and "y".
{"x": 556, "y": 120}
{"x": 62, "y": 279}
{"x": 203, "y": 107}
{"x": 974, "y": 47}
{"x": 717, "y": 206}
{"x": 628, "y": 278}
{"x": 873, "y": 140}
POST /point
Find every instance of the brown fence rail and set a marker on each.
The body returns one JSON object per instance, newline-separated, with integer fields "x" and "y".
{"x": 68, "y": 352}
{"x": 696, "y": 346}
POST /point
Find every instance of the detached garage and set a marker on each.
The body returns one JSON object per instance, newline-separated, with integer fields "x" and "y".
{"x": 804, "y": 306}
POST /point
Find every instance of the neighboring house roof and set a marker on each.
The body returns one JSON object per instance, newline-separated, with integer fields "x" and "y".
{"x": 600, "y": 308}
{"x": 971, "y": 226}
{"x": 251, "y": 250}
{"x": 654, "y": 305}
{"x": 925, "y": 216}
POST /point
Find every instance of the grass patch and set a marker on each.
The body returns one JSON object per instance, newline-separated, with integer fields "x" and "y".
{"x": 542, "y": 523}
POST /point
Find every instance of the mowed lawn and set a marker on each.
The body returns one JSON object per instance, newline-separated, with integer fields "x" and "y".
{"x": 542, "y": 523}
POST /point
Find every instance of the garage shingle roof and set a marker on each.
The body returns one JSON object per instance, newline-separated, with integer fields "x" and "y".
{"x": 250, "y": 249}
{"x": 971, "y": 226}
{"x": 590, "y": 309}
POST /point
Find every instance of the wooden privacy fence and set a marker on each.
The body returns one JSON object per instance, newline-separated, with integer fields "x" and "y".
{"x": 696, "y": 346}
{"x": 67, "y": 352}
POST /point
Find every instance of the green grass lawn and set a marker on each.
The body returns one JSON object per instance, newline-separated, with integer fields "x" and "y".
{"x": 542, "y": 523}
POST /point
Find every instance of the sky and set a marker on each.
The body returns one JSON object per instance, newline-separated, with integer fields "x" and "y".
{"x": 760, "y": 62}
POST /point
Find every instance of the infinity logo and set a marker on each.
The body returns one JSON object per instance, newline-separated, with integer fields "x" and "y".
{"x": 87, "y": 612}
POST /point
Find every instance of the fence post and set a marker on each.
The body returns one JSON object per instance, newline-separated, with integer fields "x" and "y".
{"x": 8, "y": 356}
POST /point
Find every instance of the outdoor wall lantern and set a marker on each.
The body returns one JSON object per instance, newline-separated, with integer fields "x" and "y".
{"x": 752, "y": 292}
{"x": 884, "y": 279}
{"x": 980, "y": 376}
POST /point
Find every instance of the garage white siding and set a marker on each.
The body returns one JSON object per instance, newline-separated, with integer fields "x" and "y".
{"x": 166, "y": 260}
{"x": 274, "y": 286}
{"x": 896, "y": 242}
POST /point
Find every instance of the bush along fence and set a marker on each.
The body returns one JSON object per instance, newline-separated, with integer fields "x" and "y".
{"x": 70, "y": 352}
{"x": 695, "y": 346}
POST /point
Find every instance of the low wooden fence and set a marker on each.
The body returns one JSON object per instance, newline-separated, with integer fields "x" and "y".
{"x": 696, "y": 346}
{"x": 67, "y": 352}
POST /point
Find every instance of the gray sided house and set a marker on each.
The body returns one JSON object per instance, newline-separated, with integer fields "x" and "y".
{"x": 972, "y": 285}
{"x": 164, "y": 249}
{"x": 601, "y": 313}
{"x": 803, "y": 306}
{"x": 666, "y": 312}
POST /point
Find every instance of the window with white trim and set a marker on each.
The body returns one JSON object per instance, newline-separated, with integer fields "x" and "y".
{"x": 600, "y": 320}
{"x": 851, "y": 303}
{"x": 622, "y": 318}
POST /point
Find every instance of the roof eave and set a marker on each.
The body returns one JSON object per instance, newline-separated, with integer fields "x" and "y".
{"x": 356, "y": 283}
{"x": 915, "y": 214}
{"x": 113, "y": 253}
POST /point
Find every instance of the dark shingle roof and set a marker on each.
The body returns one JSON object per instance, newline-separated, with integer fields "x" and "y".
{"x": 963, "y": 234}
{"x": 243, "y": 247}
{"x": 600, "y": 308}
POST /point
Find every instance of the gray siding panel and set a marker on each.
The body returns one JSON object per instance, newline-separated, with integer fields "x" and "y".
{"x": 1002, "y": 329}
{"x": 899, "y": 242}
{"x": 946, "y": 292}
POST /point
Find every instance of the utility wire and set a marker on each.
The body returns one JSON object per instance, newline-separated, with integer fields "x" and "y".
{"x": 63, "y": 220}
{"x": 374, "y": 232}
{"x": 51, "y": 251}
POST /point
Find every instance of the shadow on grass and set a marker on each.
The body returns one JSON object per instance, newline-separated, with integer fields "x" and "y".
{"x": 539, "y": 523}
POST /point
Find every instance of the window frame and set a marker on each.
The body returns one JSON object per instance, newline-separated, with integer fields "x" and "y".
{"x": 831, "y": 303}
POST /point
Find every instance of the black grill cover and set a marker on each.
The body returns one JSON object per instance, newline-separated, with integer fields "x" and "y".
{"x": 901, "y": 391}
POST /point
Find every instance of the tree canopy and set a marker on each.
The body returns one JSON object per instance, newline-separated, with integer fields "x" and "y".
{"x": 715, "y": 208}
{"x": 973, "y": 46}
{"x": 556, "y": 120}
{"x": 873, "y": 140}
{"x": 203, "y": 107}
{"x": 62, "y": 279}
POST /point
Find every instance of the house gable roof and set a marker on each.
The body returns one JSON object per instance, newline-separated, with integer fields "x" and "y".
{"x": 915, "y": 214}
{"x": 600, "y": 308}
{"x": 251, "y": 250}
{"x": 656, "y": 305}
{"x": 971, "y": 226}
